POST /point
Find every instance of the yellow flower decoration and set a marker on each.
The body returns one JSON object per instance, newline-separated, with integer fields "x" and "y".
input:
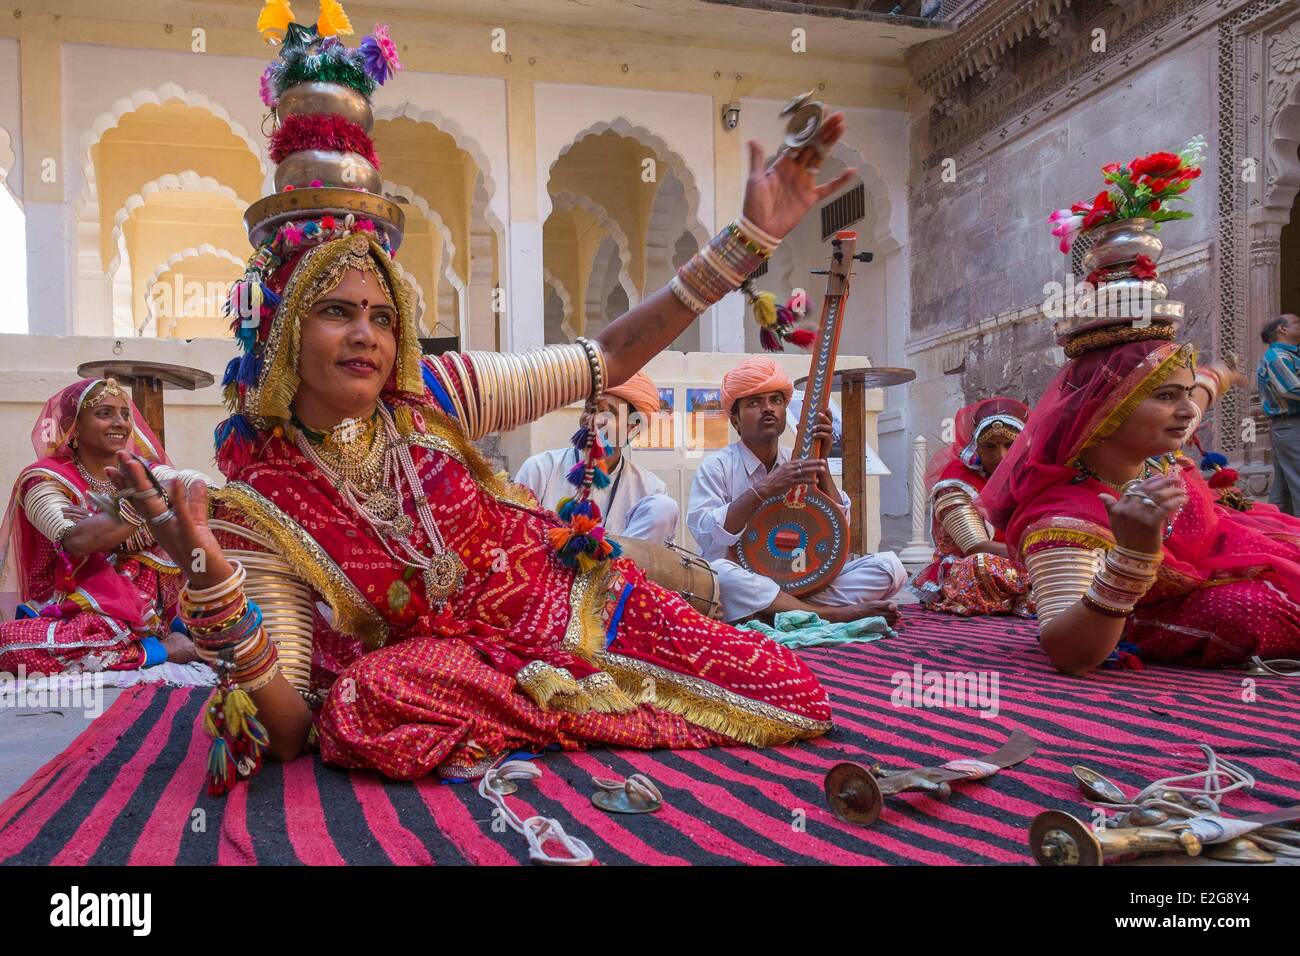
{"x": 333, "y": 21}
{"x": 273, "y": 22}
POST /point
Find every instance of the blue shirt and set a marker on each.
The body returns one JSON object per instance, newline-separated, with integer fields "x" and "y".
{"x": 1278, "y": 378}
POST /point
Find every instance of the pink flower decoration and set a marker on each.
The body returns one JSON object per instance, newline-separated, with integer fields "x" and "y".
{"x": 316, "y": 184}
{"x": 1065, "y": 224}
{"x": 265, "y": 89}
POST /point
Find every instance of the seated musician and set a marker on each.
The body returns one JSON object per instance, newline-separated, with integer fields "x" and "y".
{"x": 97, "y": 591}
{"x": 971, "y": 572}
{"x": 634, "y": 503}
{"x": 731, "y": 484}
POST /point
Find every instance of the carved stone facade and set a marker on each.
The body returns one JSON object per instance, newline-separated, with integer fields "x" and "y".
{"x": 1024, "y": 103}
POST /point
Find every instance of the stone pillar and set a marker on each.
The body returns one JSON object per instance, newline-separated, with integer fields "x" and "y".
{"x": 1264, "y": 298}
{"x": 522, "y": 327}
{"x": 919, "y": 550}
{"x": 481, "y": 320}
{"x": 49, "y": 255}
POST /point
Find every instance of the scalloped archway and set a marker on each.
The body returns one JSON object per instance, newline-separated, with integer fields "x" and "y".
{"x": 663, "y": 153}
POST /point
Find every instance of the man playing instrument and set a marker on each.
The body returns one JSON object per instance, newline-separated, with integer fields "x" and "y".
{"x": 635, "y": 503}
{"x": 731, "y": 484}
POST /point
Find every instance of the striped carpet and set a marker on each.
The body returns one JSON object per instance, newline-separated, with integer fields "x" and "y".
{"x": 130, "y": 789}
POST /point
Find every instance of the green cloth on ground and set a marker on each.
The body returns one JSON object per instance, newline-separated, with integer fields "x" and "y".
{"x": 807, "y": 629}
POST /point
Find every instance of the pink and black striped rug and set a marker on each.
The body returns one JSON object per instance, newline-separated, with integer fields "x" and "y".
{"x": 130, "y": 789}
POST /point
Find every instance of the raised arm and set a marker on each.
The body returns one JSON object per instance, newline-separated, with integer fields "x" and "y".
{"x": 776, "y": 198}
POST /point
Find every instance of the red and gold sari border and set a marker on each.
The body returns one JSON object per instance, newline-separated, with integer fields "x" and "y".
{"x": 1058, "y": 532}
{"x": 353, "y": 614}
{"x": 628, "y": 681}
{"x": 708, "y": 705}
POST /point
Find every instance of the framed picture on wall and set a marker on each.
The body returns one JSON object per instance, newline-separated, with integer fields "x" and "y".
{"x": 659, "y": 432}
{"x": 707, "y": 427}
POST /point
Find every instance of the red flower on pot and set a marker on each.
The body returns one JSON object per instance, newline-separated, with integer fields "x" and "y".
{"x": 1156, "y": 164}
{"x": 1102, "y": 207}
{"x": 1144, "y": 267}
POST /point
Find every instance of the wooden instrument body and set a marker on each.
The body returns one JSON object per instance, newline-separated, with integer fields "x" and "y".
{"x": 801, "y": 539}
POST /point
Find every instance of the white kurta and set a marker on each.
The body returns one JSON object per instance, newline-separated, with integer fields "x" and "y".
{"x": 722, "y": 478}
{"x": 641, "y": 507}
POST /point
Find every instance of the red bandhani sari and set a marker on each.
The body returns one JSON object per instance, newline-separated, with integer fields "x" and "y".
{"x": 87, "y": 613}
{"x": 954, "y": 582}
{"x": 1229, "y": 583}
{"x": 527, "y": 654}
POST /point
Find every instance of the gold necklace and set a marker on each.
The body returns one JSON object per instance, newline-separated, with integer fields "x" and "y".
{"x": 352, "y": 450}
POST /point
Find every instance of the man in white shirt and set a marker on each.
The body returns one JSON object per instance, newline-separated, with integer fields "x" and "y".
{"x": 730, "y": 485}
{"x": 636, "y": 503}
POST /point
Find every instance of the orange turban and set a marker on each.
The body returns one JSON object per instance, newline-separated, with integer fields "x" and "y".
{"x": 754, "y": 376}
{"x": 640, "y": 392}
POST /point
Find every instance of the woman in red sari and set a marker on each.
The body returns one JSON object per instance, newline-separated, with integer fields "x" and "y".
{"x": 97, "y": 593}
{"x": 1123, "y": 539}
{"x": 972, "y": 572}
{"x": 369, "y": 584}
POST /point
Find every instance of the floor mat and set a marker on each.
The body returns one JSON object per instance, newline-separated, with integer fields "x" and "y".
{"x": 130, "y": 789}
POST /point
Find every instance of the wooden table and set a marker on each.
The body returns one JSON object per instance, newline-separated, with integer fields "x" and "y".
{"x": 147, "y": 381}
{"x": 852, "y": 384}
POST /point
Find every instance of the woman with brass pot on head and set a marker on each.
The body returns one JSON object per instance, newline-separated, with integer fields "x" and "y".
{"x": 371, "y": 587}
{"x": 1131, "y": 556}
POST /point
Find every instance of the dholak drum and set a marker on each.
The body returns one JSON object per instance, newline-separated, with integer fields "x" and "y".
{"x": 676, "y": 569}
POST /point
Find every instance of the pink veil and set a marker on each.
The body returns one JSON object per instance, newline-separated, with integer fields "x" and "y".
{"x": 50, "y": 436}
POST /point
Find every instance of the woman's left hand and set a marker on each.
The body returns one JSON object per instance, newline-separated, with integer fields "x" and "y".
{"x": 777, "y": 196}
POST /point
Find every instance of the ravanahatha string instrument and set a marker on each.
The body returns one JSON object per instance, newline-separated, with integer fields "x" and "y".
{"x": 801, "y": 539}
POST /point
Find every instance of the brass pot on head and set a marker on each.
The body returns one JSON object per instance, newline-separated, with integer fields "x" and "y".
{"x": 332, "y": 98}
{"x": 1120, "y": 243}
{"x": 331, "y": 167}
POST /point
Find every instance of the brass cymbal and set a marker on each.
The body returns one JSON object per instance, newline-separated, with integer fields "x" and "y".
{"x": 853, "y": 794}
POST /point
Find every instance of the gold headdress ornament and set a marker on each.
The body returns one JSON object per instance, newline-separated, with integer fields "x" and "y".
{"x": 1113, "y": 244}
{"x": 110, "y": 387}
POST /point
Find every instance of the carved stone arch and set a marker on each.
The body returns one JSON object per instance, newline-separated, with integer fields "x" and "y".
{"x": 1283, "y": 170}
{"x": 463, "y": 140}
{"x": 166, "y": 93}
{"x": 185, "y": 181}
{"x": 663, "y": 153}
{"x": 565, "y": 201}
{"x": 193, "y": 252}
{"x": 449, "y": 273}
{"x": 566, "y": 300}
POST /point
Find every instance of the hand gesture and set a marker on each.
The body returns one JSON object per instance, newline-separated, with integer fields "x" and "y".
{"x": 777, "y": 196}
{"x": 823, "y": 432}
{"x": 186, "y": 533}
{"x": 784, "y": 477}
{"x": 1139, "y": 516}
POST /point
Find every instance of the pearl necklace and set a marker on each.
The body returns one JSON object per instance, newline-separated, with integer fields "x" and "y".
{"x": 381, "y": 508}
